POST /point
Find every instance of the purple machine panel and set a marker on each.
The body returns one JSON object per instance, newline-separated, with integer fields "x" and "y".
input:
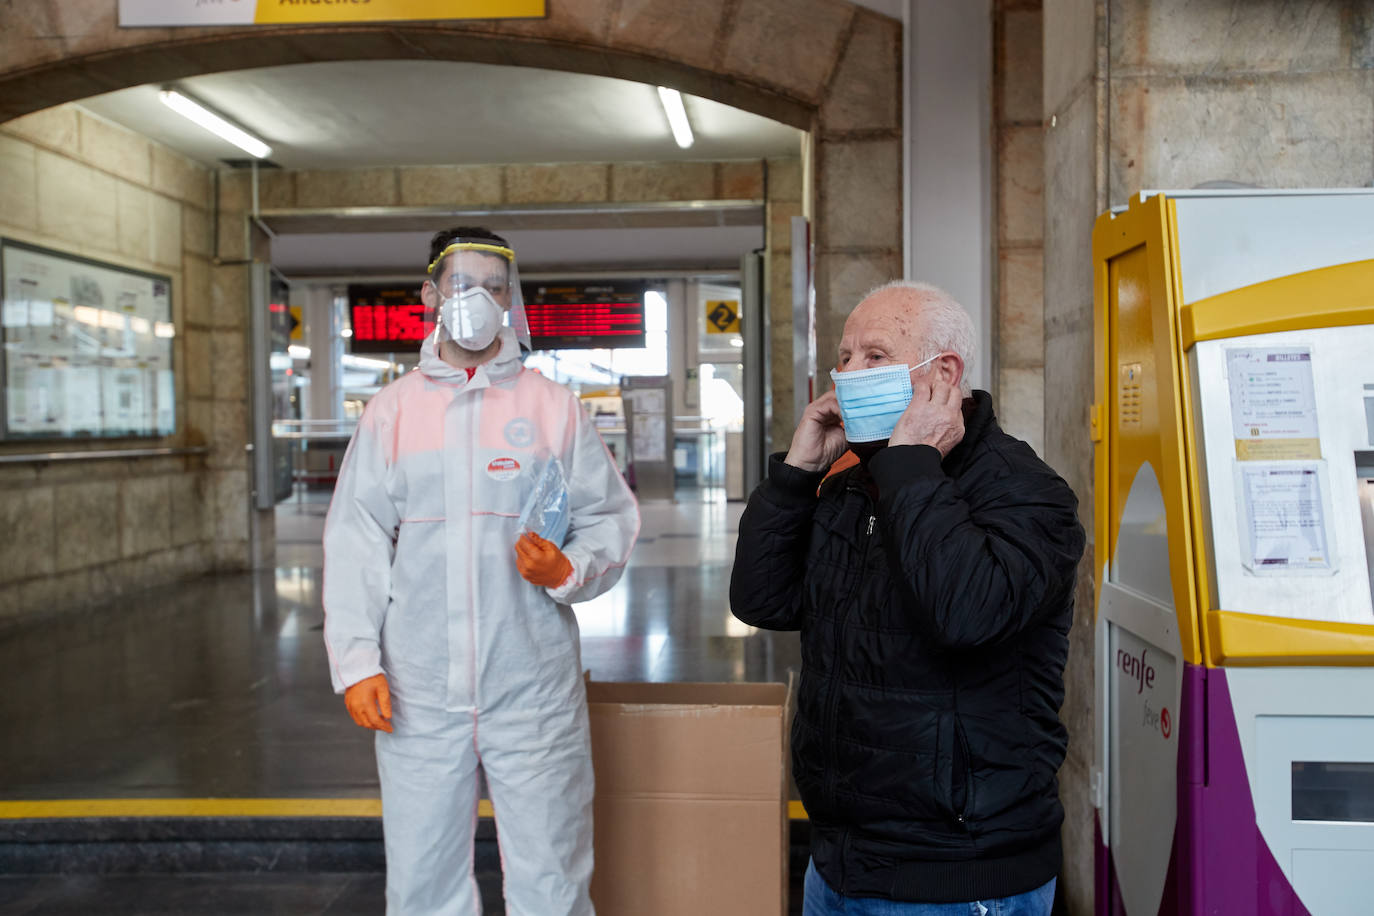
{"x": 1220, "y": 864}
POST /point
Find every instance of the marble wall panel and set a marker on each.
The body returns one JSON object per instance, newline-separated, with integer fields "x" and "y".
{"x": 1298, "y": 130}
{"x": 1071, "y": 210}
{"x": 842, "y": 281}
{"x": 866, "y": 91}
{"x": 195, "y": 291}
{"x": 232, "y": 556}
{"x": 229, "y": 498}
{"x": 166, "y": 233}
{"x": 450, "y": 185}
{"x": 347, "y": 188}
{"x": 229, "y": 296}
{"x": 234, "y": 191}
{"x": 29, "y": 514}
{"x": 1020, "y": 67}
{"x": 684, "y": 31}
{"x": 860, "y": 199}
{"x": 133, "y": 221}
{"x": 18, "y": 184}
{"x": 230, "y": 360}
{"x": 231, "y": 244}
{"x": 180, "y": 178}
{"x": 196, "y": 227}
{"x": 75, "y": 201}
{"x": 87, "y": 524}
{"x": 1020, "y": 308}
{"x": 229, "y": 434}
{"x": 785, "y": 179}
{"x": 634, "y": 181}
{"x": 792, "y": 47}
{"x": 200, "y": 421}
{"x": 1020, "y": 405}
{"x": 54, "y": 127}
{"x": 197, "y": 367}
{"x": 276, "y": 189}
{"x": 739, "y": 180}
{"x": 1257, "y": 36}
{"x": 565, "y": 183}
{"x": 1020, "y": 184}
{"x": 116, "y": 149}
{"x": 1070, "y": 50}
{"x": 145, "y": 515}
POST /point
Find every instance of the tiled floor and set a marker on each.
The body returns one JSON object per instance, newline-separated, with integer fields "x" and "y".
{"x": 218, "y": 688}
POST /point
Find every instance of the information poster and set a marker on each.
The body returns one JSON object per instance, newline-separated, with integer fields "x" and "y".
{"x": 87, "y": 347}
{"x": 1284, "y": 518}
{"x": 650, "y": 424}
{"x": 1273, "y": 404}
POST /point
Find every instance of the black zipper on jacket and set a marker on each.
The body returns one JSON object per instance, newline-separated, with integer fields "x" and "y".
{"x": 831, "y": 749}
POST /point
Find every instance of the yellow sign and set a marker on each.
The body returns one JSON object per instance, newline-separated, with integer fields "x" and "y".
{"x": 297, "y": 323}
{"x": 722, "y": 316}
{"x": 153, "y": 13}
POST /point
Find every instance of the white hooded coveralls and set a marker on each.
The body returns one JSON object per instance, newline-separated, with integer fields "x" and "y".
{"x": 484, "y": 668}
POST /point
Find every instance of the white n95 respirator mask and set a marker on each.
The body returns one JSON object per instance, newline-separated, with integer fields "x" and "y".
{"x": 471, "y": 318}
{"x": 872, "y": 400}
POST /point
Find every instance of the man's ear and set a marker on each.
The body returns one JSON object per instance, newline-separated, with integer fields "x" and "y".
{"x": 429, "y": 295}
{"x": 950, "y": 367}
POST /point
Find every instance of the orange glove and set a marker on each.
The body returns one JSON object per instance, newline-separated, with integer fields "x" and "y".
{"x": 539, "y": 562}
{"x": 369, "y": 703}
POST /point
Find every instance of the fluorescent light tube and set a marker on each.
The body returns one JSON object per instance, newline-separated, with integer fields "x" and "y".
{"x": 215, "y": 124}
{"x": 677, "y": 116}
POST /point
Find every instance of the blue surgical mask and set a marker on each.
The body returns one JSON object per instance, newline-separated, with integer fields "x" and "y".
{"x": 871, "y": 400}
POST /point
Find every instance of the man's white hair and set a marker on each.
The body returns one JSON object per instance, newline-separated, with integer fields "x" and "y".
{"x": 945, "y": 324}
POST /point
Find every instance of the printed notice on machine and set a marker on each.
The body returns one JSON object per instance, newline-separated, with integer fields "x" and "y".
{"x": 1273, "y": 406}
{"x": 1284, "y": 515}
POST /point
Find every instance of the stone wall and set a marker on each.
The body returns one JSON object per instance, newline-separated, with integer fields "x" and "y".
{"x": 1074, "y": 193}
{"x": 81, "y": 531}
{"x": 1142, "y": 94}
{"x": 1018, "y": 359}
{"x": 827, "y": 66}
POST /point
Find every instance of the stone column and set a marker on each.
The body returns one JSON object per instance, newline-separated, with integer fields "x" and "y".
{"x": 1074, "y": 193}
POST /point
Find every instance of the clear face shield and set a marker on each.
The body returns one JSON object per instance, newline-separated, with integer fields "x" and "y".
{"x": 477, "y": 288}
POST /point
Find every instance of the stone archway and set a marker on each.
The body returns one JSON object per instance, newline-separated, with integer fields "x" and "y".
{"x": 826, "y": 66}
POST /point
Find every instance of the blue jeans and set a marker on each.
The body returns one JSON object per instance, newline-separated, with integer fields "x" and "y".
{"x": 821, "y": 900}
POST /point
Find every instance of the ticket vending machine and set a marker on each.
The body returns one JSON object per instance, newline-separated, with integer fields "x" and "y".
{"x": 1233, "y": 423}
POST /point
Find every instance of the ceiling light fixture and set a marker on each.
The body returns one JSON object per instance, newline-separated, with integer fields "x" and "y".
{"x": 677, "y": 116}
{"x": 192, "y": 110}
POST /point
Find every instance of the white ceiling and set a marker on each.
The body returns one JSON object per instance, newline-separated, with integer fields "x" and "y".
{"x": 384, "y": 113}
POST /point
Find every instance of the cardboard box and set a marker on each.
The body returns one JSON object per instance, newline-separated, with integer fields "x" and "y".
{"x": 691, "y": 798}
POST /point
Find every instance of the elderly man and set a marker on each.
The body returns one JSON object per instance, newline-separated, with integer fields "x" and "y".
{"x": 933, "y": 586}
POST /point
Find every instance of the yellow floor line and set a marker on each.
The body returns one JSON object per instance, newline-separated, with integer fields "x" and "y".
{"x": 225, "y": 807}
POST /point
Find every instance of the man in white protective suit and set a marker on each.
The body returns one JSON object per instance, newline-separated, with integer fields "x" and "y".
{"x": 448, "y": 627}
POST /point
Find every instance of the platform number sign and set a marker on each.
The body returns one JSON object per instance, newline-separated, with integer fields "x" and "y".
{"x": 722, "y": 316}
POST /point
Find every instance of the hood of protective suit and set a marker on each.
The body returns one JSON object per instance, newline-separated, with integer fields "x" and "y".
{"x": 506, "y": 363}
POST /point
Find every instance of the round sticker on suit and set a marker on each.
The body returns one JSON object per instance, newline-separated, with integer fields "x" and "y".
{"x": 503, "y": 468}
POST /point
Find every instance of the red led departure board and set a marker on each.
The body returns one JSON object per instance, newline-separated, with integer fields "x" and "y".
{"x": 386, "y": 319}
{"x": 585, "y": 316}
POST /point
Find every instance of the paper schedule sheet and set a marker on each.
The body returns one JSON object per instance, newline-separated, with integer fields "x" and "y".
{"x": 1284, "y": 517}
{"x": 1273, "y": 403}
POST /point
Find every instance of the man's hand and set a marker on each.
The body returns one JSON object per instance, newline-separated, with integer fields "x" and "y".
{"x": 540, "y": 562}
{"x": 819, "y": 439}
{"x": 369, "y": 703}
{"x": 934, "y": 417}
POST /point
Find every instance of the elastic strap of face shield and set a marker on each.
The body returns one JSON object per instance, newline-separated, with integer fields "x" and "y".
{"x": 472, "y": 246}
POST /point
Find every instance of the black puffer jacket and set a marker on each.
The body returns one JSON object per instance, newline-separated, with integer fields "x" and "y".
{"x": 934, "y": 601}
